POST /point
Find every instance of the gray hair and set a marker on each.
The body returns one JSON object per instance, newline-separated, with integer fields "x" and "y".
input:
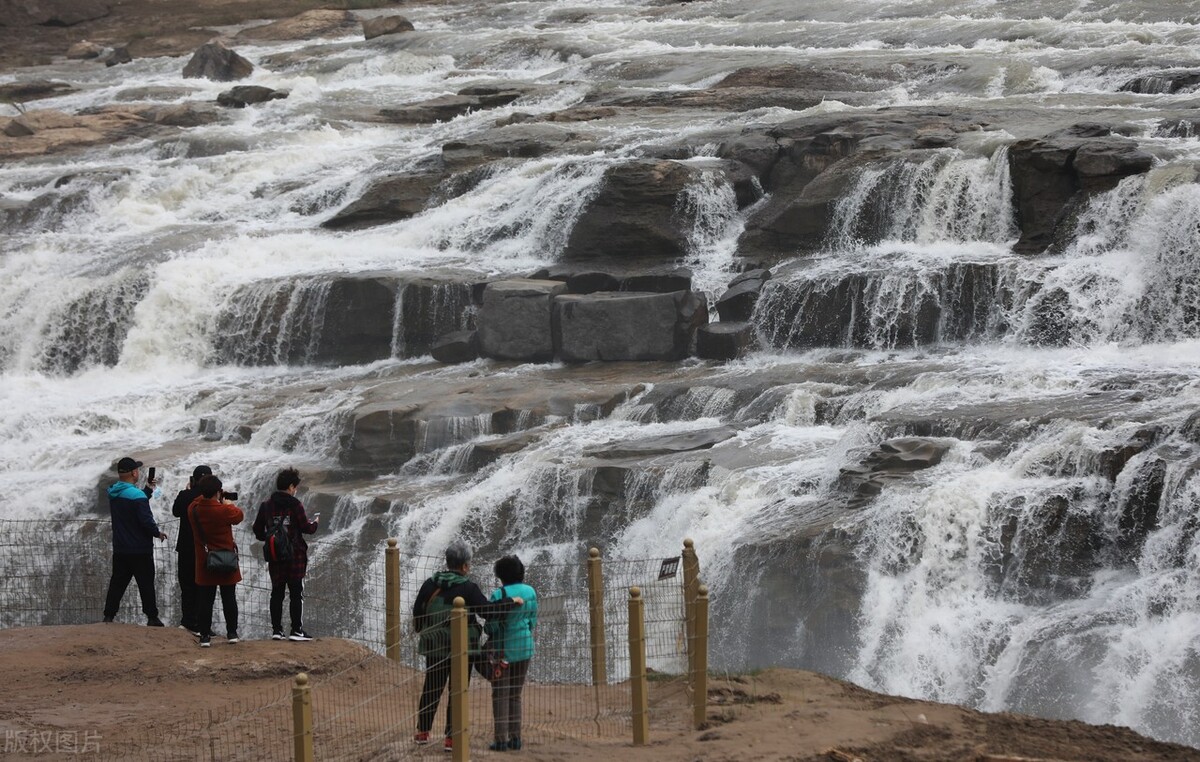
{"x": 458, "y": 555}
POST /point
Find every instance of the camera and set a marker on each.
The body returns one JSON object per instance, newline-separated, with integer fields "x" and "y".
{"x": 228, "y": 495}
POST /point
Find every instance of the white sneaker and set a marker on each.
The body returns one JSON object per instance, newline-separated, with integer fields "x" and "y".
{"x": 299, "y": 635}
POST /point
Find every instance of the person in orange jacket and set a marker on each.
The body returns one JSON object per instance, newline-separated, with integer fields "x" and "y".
{"x": 212, "y": 518}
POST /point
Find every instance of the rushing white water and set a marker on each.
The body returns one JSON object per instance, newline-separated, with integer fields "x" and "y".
{"x": 170, "y": 297}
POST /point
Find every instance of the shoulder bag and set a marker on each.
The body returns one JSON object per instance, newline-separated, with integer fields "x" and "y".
{"x": 215, "y": 561}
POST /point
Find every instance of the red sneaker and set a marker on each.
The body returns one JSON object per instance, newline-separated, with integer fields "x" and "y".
{"x": 420, "y": 739}
{"x": 449, "y": 745}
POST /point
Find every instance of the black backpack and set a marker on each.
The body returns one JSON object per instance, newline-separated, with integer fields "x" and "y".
{"x": 277, "y": 548}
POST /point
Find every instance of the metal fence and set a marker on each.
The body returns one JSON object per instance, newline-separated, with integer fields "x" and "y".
{"x": 583, "y": 679}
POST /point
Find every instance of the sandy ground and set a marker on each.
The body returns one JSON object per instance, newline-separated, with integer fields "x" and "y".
{"x": 133, "y": 692}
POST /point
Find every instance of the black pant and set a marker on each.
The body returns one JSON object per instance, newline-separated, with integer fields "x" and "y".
{"x": 206, "y": 595}
{"x": 295, "y": 590}
{"x": 437, "y": 675}
{"x": 506, "y": 701}
{"x": 127, "y": 566}
{"x": 187, "y": 590}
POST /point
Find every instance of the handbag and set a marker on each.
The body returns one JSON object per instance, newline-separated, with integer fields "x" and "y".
{"x": 215, "y": 561}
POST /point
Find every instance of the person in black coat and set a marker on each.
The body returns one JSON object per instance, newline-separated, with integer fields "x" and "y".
{"x": 185, "y": 550}
{"x": 287, "y": 576}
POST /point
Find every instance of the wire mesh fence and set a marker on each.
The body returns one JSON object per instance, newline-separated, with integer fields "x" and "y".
{"x": 57, "y": 573}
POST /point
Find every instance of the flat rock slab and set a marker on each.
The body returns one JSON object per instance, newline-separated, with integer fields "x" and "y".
{"x": 622, "y": 325}
{"x": 667, "y": 444}
{"x": 514, "y": 320}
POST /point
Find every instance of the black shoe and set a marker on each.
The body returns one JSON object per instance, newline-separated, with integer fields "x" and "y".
{"x": 154, "y": 622}
{"x": 232, "y": 637}
{"x": 205, "y": 641}
{"x": 299, "y": 635}
{"x": 108, "y": 620}
{"x": 499, "y": 746}
{"x": 515, "y": 743}
{"x": 278, "y": 635}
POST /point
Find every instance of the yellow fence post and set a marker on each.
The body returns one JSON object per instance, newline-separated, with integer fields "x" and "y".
{"x": 459, "y": 673}
{"x": 637, "y": 668}
{"x": 691, "y": 587}
{"x": 700, "y": 687}
{"x": 391, "y": 579}
{"x": 595, "y": 573}
{"x": 302, "y": 727}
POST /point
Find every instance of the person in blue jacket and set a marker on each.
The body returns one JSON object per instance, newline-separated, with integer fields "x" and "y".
{"x": 133, "y": 532}
{"x": 513, "y": 632}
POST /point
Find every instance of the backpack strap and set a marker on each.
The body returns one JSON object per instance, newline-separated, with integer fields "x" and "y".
{"x": 199, "y": 531}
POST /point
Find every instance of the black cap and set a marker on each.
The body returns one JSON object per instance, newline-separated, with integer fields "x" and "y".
{"x": 127, "y": 465}
{"x": 201, "y": 471}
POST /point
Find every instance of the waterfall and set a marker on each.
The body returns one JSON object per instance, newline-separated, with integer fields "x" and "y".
{"x": 941, "y": 196}
{"x": 711, "y": 205}
{"x": 272, "y": 324}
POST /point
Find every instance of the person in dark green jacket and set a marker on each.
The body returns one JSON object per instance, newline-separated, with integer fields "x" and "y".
{"x": 513, "y": 634}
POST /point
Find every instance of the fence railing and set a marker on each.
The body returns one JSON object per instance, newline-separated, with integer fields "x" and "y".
{"x": 609, "y": 631}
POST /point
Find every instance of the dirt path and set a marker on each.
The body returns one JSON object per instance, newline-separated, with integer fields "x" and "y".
{"x": 134, "y": 691}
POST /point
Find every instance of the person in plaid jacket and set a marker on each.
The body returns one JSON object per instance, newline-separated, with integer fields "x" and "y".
{"x": 288, "y": 576}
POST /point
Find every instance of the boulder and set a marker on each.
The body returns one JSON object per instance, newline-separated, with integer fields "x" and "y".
{"x": 118, "y": 56}
{"x": 589, "y": 282}
{"x": 515, "y": 317}
{"x": 84, "y": 50}
{"x": 184, "y": 114}
{"x": 447, "y": 107}
{"x": 304, "y": 26}
{"x": 623, "y": 326}
{"x": 456, "y": 347}
{"x": 32, "y": 90}
{"x": 667, "y": 444}
{"x": 384, "y": 25}
{"x": 738, "y": 301}
{"x": 658, "y": 281}
{"x": 633, "y": 214}
{"x": 37, "y": 133}
{"x": 244, "y": 95}
{"x": 1163, "y": 82}
{"x": 1053, "y": 175}
{"x": 724, "y": 340}
{"x": 36, "y": 121}
{"x": 217, "y": 62}
{"x": 891, "y": 460}
{"x": 387, "y": 199}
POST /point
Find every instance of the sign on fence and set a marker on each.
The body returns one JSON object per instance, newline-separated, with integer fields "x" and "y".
{"x": 669, "y": 568}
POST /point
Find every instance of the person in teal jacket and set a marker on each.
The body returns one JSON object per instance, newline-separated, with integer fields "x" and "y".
{"x": 514, "y": 634}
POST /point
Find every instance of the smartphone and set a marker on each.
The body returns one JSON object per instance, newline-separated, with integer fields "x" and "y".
{"x": 317, "y": 516}
{"x": 229, "y": 495}
{"x": 150, "y": 474}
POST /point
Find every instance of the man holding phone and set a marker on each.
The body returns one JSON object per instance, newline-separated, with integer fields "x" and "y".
{"x": 287, "y": 576}
{"x": 133, "y": 529}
